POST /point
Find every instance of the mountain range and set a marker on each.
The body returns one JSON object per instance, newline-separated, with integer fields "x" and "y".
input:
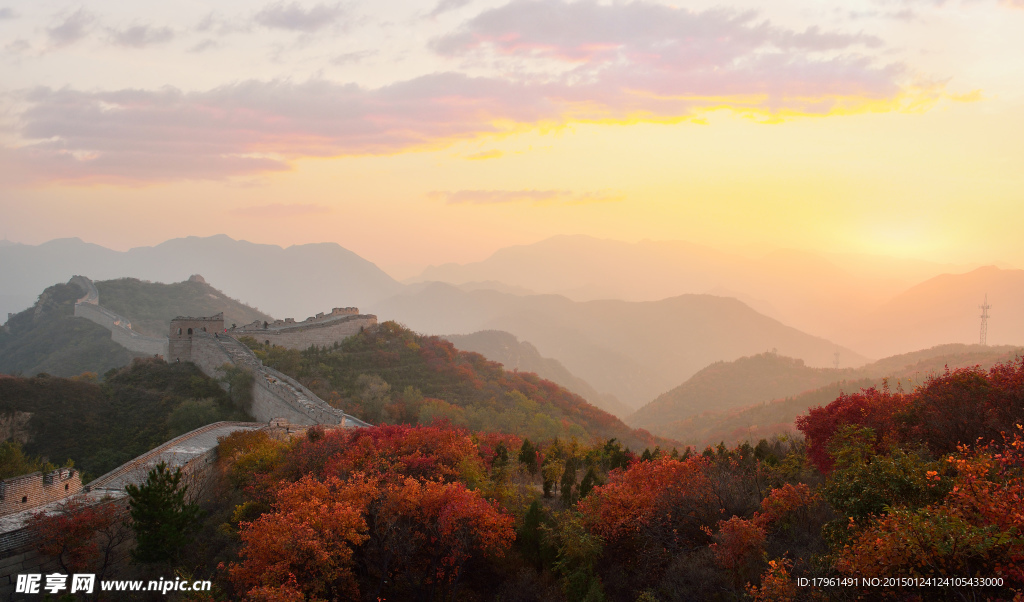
{"x": 297, "y": 281}
{"x": 630, "y": 320}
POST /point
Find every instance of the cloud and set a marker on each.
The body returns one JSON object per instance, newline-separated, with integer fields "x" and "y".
{"x": 352, "y": 57}
{"x": 140, "y": 36}
{"x": 638, "y": 32}
{"x": 972, "y": 96}
{"x": 7, "y": 13}
{"x": 71, "y": 29}
{"x": 207, "y": 44}
{"x": 534, "y": 197}
{"x": 280, "y": 210}
{"x": 18, "y": 46}
{"x": 618, "y": 63}
{"x": 294, "y": 17}
{"x": 483, "y": 155}
{"x": 448, "y": 5}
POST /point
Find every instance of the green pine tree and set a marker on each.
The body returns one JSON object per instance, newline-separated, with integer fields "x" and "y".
{"x": 163, "y": 521}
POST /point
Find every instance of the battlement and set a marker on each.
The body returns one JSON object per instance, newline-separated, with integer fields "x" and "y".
{"x": 37, "y": 489}
{"x": 322, "y": 330}
{"x": 320, "y": 318}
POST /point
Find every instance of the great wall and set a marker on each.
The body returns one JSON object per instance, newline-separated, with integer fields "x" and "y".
{"x": 280, "y": 403}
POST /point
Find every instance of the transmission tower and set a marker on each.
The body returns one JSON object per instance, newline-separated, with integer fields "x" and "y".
{"x": 835, "y": 362}
{"x": 984, "y": 320}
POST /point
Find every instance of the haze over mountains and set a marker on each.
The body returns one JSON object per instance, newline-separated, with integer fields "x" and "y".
{"x": 295, "y": 282}
{"x": 761, "y": 396}
{"x": 633, "y": 350}
{"x": 813, "y": 292}
{"x": 629, "y": 320}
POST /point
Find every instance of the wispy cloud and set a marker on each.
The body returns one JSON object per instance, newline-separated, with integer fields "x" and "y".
{"x": 296, "y": 18}
{"x": 71, "y": 28}
{"x": 617, "y": 62}
{"x": 203, "y": 46}
{"x": 533, "y": 197}
{"x": 7, "y": 13}
{"x": 352, "y": 57}
{"x": 140, "y": 36}
{"x": 483, "y": 155}
{"x": 280, "y": 210}
{"x": 448, "y": 5}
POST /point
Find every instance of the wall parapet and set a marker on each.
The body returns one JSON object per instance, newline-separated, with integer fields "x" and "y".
{"x": 275, "y": 394}
{"x": 32, "y": 490}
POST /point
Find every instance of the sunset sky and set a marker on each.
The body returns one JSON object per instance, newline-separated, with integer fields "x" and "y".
{"x": 427, "y": 132}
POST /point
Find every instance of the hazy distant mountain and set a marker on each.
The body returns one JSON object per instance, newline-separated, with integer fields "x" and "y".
{"x": 716, "y": 405}
{"x": 944, "y": 309}
{"x": 504, "y": 348}
{"x": 815, "y": 293}
{"x": 298, "y": 281}
{"x": 726, "y": 385}
{"x": 632, "y": 350}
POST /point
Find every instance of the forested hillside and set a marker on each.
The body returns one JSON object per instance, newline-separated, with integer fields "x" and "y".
{"x": 102, "y": 425}
{"x": 507, "y": 350}
{"x": 48, "y": 338}
{"x": 726, "y": 385}
{"x": 152, "y": 305}
{"x": 391, "y": 374}
{"x": 923, "y": 485}
{"x": 723, "y": 403}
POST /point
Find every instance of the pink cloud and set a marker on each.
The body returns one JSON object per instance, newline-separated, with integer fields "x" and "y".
{"x": 280, "y": 210}
{"x": 535, "y": 197}
{"x": 620, "y": 61}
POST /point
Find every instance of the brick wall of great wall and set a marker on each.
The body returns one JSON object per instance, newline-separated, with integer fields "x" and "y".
{"x": 275, "y": 395}
{"x": 36, "y": 489}
{"x": 322, "y": 331}
{"x": 18, "y": 550}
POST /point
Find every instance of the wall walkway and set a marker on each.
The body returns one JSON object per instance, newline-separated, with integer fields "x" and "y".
{"x": 120, "y": 328}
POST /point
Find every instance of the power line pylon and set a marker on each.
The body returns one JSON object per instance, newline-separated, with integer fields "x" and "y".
{"x": 984, "y": 321}
{"x": 835, "y": 362}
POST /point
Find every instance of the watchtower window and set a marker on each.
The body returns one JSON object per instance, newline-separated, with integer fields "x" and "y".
{"x": 204, "y": 329}
{"x": 65, "y": 487}
{"x": 179, "y": 331}
{"x": 24, "y": 499}
{"x": 190, "y": 331}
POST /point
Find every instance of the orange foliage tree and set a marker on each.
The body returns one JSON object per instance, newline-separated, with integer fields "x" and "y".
{"x": 653, "y": 509}
{"x": 976, "y": 530}
{"x": 308, "y": 538}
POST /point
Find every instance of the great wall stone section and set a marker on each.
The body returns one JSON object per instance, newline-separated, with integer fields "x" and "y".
{"x": 323, "y": 330}
{"x": 120, "y": 328}
{"x": 275, "y": 395}
{"x": 30, "y": 491}
{"x": 193, "y": 452}
{"x": 284, "y": 404}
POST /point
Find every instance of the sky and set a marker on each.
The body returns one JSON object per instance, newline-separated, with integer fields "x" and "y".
{"x": 418, "y": 133}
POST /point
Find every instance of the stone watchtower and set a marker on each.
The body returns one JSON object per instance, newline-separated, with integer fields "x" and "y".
{"x": 183, "y": 328}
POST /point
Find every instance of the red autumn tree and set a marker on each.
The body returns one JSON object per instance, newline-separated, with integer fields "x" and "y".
{"x": 653, "y": 509}
{"x": 82, "y": 536}
{"x": 423, "y": 532}
{"x": 308, "y": 539}
{"x": 870, "y": 407}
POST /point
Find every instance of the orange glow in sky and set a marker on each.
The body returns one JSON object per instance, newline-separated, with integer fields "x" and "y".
{"x": 429, "y": 134}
